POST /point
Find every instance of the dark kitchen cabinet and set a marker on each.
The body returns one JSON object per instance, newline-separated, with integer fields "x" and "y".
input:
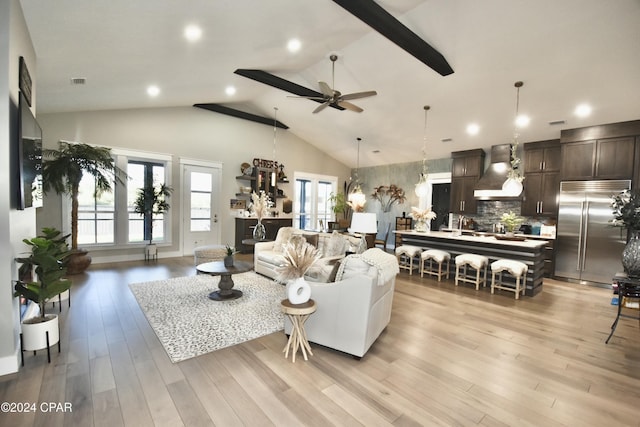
{"x": 544, "y": 156}
{"x": 466, "y": 169}
{"x": 610, "y": 158}
{"x": 245, "y": 226}
{"x": 542, "y": 178}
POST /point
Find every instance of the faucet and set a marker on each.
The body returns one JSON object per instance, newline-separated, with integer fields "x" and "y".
{"x": 460, "y": 222}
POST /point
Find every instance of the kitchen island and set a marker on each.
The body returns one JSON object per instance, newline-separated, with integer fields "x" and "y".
{"x": 529, "y": 251}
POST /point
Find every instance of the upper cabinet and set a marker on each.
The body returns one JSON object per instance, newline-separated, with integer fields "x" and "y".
{"x": 542, "y": 178}
{"x": 466, "y": 169}
{"x": 599, "y": 152}
{"x": 543, "y": 156}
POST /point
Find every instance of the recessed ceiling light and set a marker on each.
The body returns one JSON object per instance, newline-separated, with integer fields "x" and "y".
{"x": 294, "y": 45}
{"x": 582, "y": 110}
{"x": 230, "y": 90}
{"x": 153, "y": 91}
{"x": 473, "y": 129}
{"x": 522, "y": 121}
{"x": 192, "y": 33}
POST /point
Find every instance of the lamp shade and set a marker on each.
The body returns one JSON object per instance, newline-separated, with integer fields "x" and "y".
{"x": 363, "y": 222}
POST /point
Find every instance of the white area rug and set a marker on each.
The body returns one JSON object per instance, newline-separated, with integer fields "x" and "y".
{"x": 189, "y": 324}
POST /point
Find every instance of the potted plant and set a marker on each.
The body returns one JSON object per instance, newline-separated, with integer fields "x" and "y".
{"x": 151, "y": 201}
{"x": 339, "y": 206}
{"x": 511, "y": 221}
{"x": 228, "y": 259}
{"x": 48, "y": 259}
{"x": 62, "y": 171}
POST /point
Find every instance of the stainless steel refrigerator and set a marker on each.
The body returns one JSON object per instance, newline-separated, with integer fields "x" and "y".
{"x": 588, "y": 248}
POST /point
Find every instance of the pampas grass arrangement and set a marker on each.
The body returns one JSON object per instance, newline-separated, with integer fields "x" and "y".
{"x": 299, "y": 257}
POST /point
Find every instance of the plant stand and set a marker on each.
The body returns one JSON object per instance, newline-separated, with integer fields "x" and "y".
{"x": 39, "y": 336}
{"x": 151, "y": 252}
{"x": 62, "y": 296}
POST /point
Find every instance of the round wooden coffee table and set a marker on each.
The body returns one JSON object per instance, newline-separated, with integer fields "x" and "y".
{"x": 217, "y": 268}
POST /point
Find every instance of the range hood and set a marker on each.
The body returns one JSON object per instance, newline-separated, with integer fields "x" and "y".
{"x": 489, "y": 187}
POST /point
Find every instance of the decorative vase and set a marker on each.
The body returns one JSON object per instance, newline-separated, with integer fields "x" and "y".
{"x": 421, "y": 225}
{"x": 228, "y": 261}
{"x": 79, "y": 261}
{"x": 259, "y": 232}
{"x": 298, "y": 291}
{"x": 631, "y": 255}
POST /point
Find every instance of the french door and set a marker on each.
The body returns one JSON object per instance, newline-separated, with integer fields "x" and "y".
{"x": 201, "y": 201}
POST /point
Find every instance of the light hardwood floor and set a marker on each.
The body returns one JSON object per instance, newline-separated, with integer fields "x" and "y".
{"x": 450, "y": 356}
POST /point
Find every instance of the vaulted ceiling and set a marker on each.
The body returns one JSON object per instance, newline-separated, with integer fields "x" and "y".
{"x": 567, "y": 52}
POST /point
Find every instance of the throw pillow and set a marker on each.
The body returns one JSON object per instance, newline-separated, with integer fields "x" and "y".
{"x": 312, "y": 239}
{"x": 335, "y": 245}
{"x": 283, "y": 236}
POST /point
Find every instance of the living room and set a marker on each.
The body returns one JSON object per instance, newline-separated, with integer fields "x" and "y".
{"x": 321, "y": 145}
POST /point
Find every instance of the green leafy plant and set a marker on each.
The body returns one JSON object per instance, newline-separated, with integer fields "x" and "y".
{"x": 511, "y": 221}
{"x": 151, "y": 201}
{"x": 48, "y": 257}
{"x": 626, "y": 210}
{"x": 63, "y": 169}
{"x": 339, "y": 204}
{"x": 230, "y": 250}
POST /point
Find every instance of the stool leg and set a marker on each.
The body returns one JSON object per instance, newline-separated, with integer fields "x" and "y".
{"x": 477, "y": 279}
{"x": 493, "y": 281}
{"x": 517, "y": 287}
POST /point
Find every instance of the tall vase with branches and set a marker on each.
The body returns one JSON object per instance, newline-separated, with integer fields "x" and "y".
{"x": 62, "y": 171}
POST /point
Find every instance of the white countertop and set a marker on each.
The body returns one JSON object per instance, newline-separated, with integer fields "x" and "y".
{"x": 529, "y": 243}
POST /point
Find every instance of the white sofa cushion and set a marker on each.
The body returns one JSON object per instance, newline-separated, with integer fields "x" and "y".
{"x": 274, "y": 258}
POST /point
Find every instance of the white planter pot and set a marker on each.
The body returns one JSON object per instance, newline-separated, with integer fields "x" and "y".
{"x": 150, "y": 252}
{"x": 58, "y": 300}
{"x": 34, "y": 335}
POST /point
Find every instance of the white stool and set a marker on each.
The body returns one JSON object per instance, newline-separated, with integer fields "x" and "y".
{"x": 405, "y": 255}
{"x": 516, "y": 268}
{"x": 477, "y": 262}
{"x": 439, "y": 257}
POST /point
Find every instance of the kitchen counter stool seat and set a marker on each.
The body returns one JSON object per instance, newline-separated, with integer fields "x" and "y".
{"x": 439, "y": 257}
{"x": 478, "y": 263}
{"x": 515, "y": 268}
{"x": 406, "y": 255}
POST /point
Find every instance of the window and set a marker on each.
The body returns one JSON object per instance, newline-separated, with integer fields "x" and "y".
{"x": 109, "y": 219}
{"x": 142, "y": 174}
{"x": 312, "y": 209}
{"x": 96, "y": 215}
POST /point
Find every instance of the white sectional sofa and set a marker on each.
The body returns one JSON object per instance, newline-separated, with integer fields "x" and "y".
{"x": 353, "y": 311}
{"x": 332, "y": 246}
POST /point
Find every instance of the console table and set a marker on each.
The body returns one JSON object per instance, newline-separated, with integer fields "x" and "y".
{"x": 627, "y": 288}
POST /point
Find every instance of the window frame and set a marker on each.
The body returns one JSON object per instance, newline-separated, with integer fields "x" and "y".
{"x": 315, "y": 179}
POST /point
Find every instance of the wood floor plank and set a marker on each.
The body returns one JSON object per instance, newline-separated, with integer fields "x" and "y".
{"x": 450, "y": 356}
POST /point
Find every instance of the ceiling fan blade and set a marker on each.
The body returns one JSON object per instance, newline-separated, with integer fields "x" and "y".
{"x": 325, "y": 89}
{"x": 280, "y": 83}
{"x": 358, "y": 95}
{"x": 313, "y": 98}
{"x": 321, "y": 107}
{"x": 350, "y": 106}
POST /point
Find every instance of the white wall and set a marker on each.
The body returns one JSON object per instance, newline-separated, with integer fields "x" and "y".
{"x": 14, "y": 225}
{"x": 185, "y": 132}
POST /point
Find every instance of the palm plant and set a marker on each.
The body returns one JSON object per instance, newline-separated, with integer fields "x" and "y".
{"x": 63, "y": 169}
{"x": 151, "y": 201}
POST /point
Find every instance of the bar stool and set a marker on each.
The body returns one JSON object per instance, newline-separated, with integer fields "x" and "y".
{"x": 405, "y": 255}
{"x": 477, "y": 262}
{"x": 515, "y": 268}
{"x": 439, "y": 257}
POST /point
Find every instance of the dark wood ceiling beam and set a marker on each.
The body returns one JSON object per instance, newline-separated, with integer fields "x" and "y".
{"x": 383, "y": 22}
{"x": 282, "y": 84}
{"x": 217, "y": 108}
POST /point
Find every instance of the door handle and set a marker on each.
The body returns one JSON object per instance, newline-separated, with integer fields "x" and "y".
{"x": 540, "y": 206}
{"x": 541, "y": 166}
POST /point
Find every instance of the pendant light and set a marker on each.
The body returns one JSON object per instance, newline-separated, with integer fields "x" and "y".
{"x": 357, "y": 198}
{"x": 513, "y": 184}
{"x": 422, "y": 187}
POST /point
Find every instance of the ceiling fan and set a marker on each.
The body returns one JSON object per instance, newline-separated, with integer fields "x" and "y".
{"x": 332, "y": 97}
